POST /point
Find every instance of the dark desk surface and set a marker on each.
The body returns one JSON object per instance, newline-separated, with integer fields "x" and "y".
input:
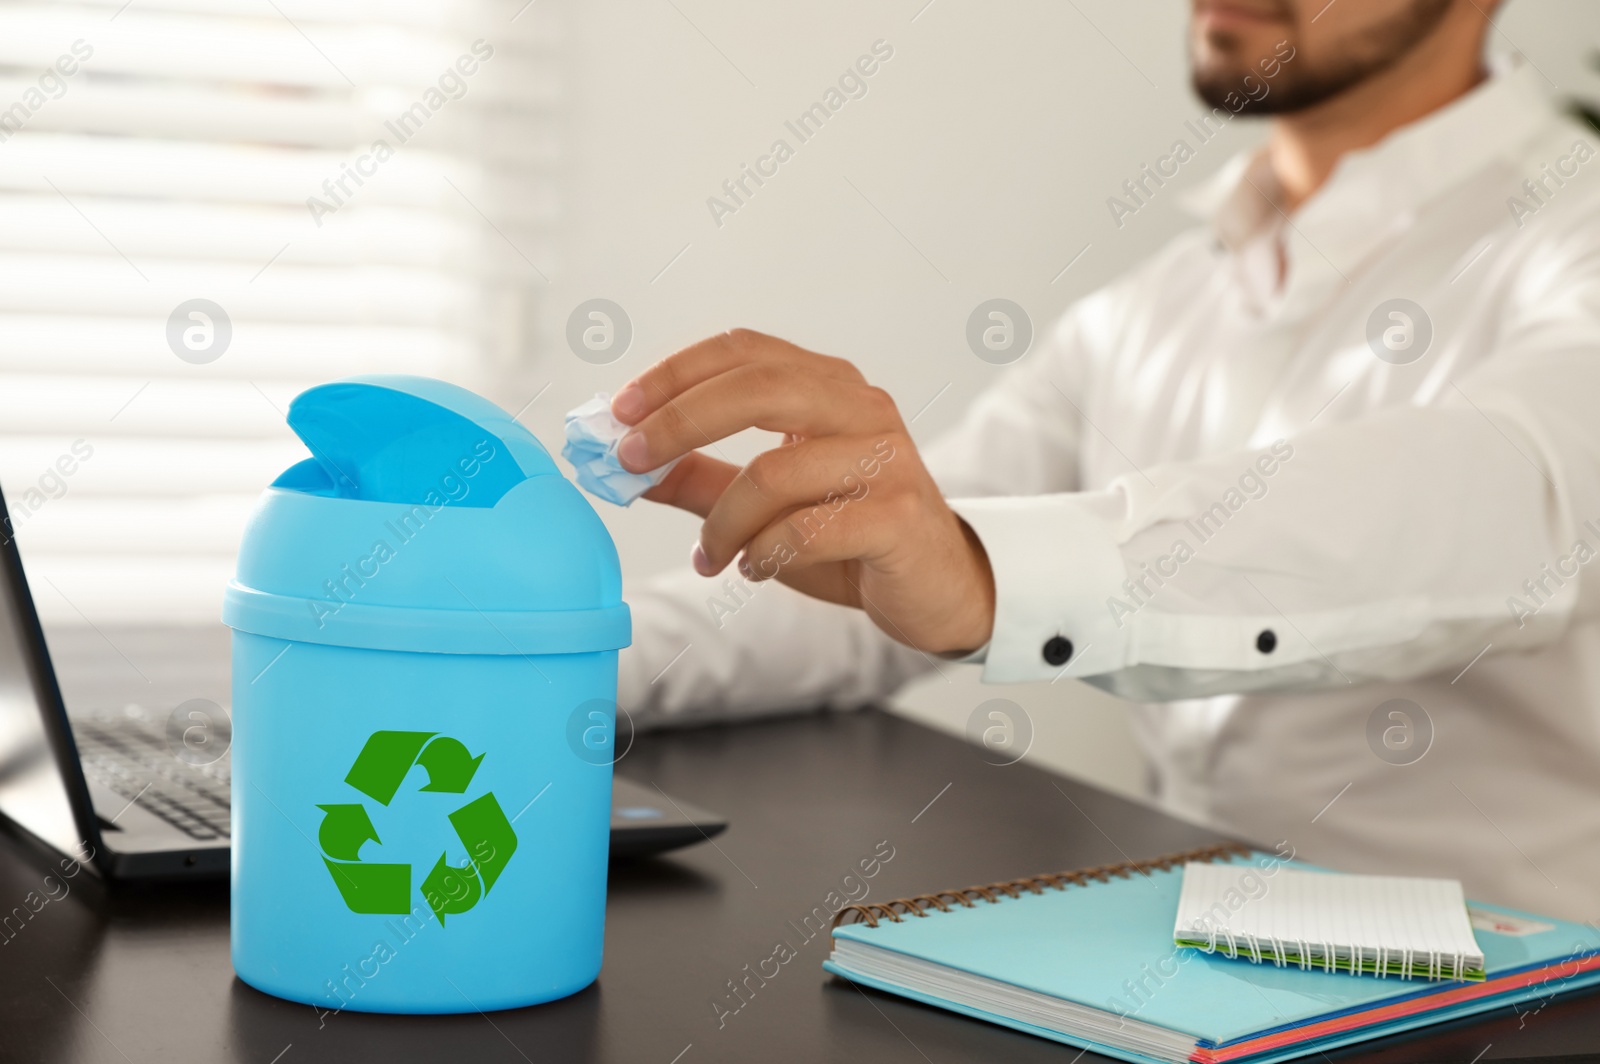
{"x": 143, "y": 975}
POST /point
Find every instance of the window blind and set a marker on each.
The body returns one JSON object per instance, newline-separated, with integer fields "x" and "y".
{"x": 157, "y": 152}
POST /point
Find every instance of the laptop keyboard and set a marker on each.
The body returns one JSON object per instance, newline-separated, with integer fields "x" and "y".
{"x": 131, "y": 758}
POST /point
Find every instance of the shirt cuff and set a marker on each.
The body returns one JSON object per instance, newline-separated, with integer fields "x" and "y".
{"x": 1056, "y": 565}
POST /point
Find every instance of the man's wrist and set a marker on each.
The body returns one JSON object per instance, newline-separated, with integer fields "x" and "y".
{"x": 981, "y": 617}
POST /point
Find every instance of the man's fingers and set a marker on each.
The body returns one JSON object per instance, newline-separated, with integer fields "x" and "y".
{"x": 825, "y": 474}
{"x": 694, "y": 484}
{"x": 699, "y": 362}
{"x": 805, "y": 538}
{"x": 775, "y": 395}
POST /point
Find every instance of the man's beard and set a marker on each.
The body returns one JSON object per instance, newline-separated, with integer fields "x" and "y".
{"x": 1300, "y": 85}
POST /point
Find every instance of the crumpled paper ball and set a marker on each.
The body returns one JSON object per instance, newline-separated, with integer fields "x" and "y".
{"x": 591, "y": 447}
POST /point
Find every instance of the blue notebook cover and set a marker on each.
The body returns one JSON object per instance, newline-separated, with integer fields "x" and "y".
{"x": 1109, "y": 945}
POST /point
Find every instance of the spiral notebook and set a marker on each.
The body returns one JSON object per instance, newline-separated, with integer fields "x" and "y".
{"x": 1088, "y": 958}
{"x": 1378, "y": 925}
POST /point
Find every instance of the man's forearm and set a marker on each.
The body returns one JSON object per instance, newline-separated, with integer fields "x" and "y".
{"x": 727, "y": 648}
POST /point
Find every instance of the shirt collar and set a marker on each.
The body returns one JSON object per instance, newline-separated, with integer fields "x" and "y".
{"x": 1374, "y": 190}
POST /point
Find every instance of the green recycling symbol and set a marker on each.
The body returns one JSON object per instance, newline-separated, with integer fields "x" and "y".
{"x": 480, "y": 824}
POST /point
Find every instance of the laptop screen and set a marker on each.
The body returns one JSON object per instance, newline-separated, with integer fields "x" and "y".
{"x": 32, "y": 791}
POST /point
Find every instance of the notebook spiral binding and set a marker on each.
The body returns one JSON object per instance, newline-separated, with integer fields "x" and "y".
{"x": 1404, "y": 963}
{"x": 895, "y": 908}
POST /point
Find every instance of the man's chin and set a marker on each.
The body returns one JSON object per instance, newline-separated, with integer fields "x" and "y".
{"x": 1222, "y": 85}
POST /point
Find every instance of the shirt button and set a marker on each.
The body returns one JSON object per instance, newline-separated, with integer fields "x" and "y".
{"x": 1266, "y": 642}
{"x": 1057, "y": 650}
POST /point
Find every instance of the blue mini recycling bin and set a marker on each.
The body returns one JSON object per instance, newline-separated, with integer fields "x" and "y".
{"x": 426, "y": 619}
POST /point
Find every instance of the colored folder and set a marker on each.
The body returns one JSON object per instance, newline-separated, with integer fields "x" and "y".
{"x": 1087, "y": 958}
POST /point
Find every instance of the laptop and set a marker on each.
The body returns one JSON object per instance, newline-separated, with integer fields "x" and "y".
{"x": 141, "y": 791}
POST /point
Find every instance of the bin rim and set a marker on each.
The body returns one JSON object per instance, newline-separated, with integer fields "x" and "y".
{"x": 423, "y": 629}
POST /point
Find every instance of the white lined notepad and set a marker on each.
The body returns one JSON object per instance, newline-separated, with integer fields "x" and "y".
{"x": 1378, "y": 925}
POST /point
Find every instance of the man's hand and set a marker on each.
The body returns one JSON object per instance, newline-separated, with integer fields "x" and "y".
{"x": 844, "y": 510}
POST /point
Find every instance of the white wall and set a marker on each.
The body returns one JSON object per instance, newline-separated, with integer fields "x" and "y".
{"x": 990, "y": 141}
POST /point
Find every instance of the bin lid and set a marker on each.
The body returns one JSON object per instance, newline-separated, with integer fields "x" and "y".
{"x": 426, "y": 519}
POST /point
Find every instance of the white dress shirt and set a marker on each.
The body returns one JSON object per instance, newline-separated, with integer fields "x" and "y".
{"x": 1205, "y": 480}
